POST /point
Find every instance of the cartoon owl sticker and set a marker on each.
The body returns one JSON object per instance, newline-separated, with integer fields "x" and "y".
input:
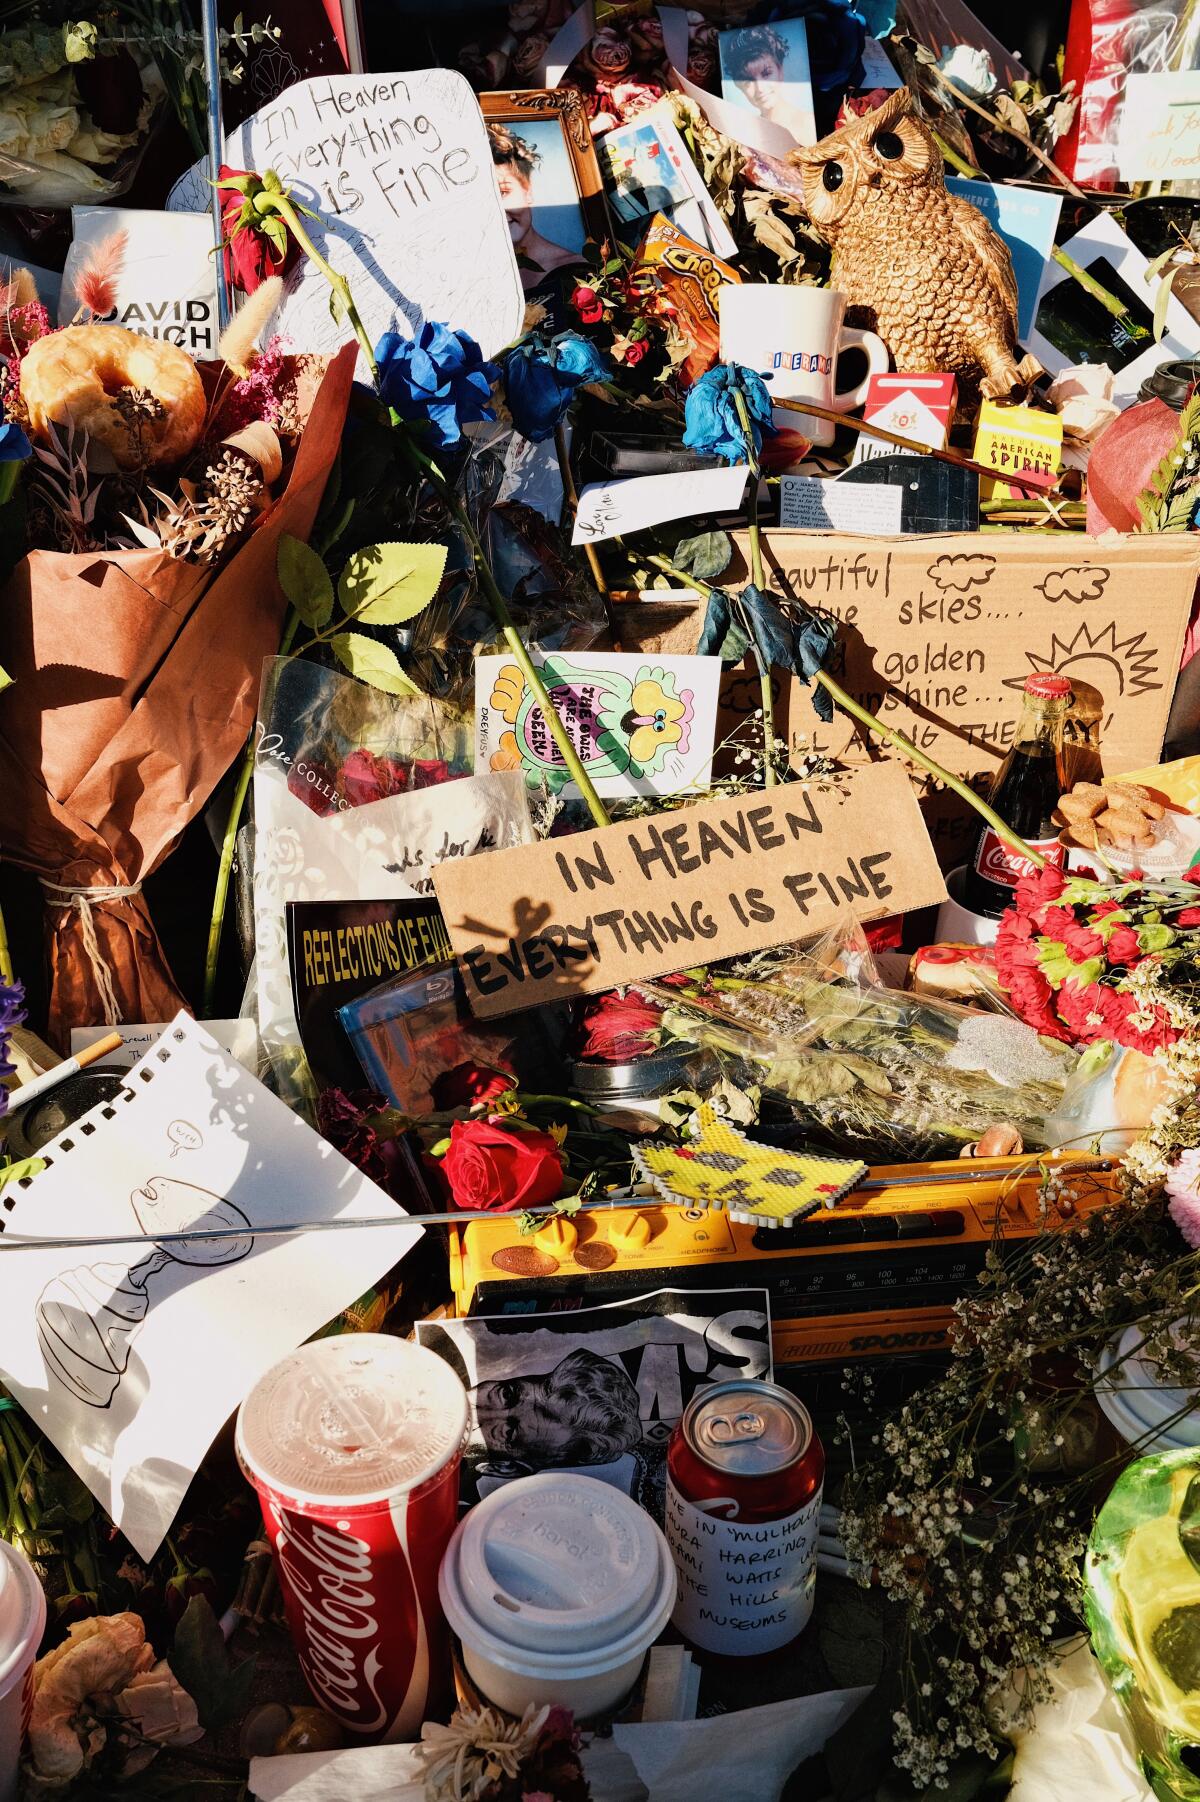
{"x": 921, "y": 267}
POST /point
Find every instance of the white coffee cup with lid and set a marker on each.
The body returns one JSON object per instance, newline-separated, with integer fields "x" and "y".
{"x": 557, "y": 1586}
{"x": 22, "y": 1623}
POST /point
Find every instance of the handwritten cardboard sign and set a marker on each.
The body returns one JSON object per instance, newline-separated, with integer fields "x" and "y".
{"x": 938, "y": 635}
{"x": 1160, "y": 127}
{"x": 400, "y": 171}
{"x": 577, "y": 915}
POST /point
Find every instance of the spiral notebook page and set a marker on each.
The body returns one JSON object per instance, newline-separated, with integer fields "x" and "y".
{"x": 131, "y": 1357}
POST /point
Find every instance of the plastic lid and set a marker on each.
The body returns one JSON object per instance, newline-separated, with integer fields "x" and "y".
{"x": 22, "y": 1614}
{"x": 557, "y": 1565}
{"x": 1048, "y": 687}
{"x": 356, "y": 1419}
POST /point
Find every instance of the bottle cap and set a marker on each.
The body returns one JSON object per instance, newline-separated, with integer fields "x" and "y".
{"x": 1047, "y": 686}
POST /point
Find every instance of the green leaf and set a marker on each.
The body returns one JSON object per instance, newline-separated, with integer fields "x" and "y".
{"x": 706, "y": 556}
{"x": 337, "y": 305}
{"x": 1161, "y": 302}
{"x": 201, "y": 1663}
{"x": 388, "y": 583}
{"x": 18, "y": 1168}
{"x": 1154, "y": 938}
{"x": 64, "y": 1498}
{"x": 305, "y": 581}
{"x": 372, "y": 662}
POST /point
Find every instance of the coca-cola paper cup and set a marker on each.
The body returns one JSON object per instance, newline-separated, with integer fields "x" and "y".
{"x": 557, "y": 1586}
{"x": 22, "y": 1623}
{"x": 353, "y": 1445}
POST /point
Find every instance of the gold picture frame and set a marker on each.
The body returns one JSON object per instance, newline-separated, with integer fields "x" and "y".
{"x": 547, "y": 168}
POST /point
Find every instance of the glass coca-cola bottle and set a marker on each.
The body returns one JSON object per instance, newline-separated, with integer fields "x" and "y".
{"x": 1025, "y": 793}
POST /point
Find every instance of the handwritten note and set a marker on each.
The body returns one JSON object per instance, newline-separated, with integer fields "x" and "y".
{"x": 816, "y": 505}
{"x": 400, "y": 171}
{"x": 607, "y": 509}
{"x": 1159, "y": 137}
{"x": 648, "y": 897}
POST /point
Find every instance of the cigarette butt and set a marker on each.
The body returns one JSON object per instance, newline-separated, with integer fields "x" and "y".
{"x": 111, "y": 1041}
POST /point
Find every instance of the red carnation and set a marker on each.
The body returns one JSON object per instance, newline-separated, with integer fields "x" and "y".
{"x": 1190, "y": 916}
{"x": 1044, "y": 885}
{"x": 1123, "y": 947}
{"x": 1081, "y": 942}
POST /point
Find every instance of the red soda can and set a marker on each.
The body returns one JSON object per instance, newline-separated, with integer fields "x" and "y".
{"x": 744, "y": 1475}
{"x": 353, "y": 1444}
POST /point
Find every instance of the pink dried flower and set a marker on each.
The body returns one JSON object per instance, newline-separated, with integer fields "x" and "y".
{"x": 1183, "y": 1187}
{"x": 96, "y": 282}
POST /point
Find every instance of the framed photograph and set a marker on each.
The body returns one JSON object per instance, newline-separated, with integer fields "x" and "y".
{"x": 1072, "y": 326}
{"x": 765, "y": 68}
{"x": 548, "y": 176}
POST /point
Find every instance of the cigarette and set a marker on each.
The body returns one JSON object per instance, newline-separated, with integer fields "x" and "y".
{"x": 50, "y": 1079}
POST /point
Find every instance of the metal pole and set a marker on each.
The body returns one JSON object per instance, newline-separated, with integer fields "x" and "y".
{"x": 216, "y": 149}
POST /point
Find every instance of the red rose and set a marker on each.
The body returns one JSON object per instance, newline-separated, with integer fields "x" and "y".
{"x": 366, "y": 777}
{"x": 498, "y": 1168}
{"x": 620, "y": 1027}
{"x": 635, "y": 350}
{"x": 313, "y": 784}
{"x": 251, "y": 256}
{"x": 467, "y": 1084}
{"x": 586, "y": 303}
{"x": 427, "y": 772}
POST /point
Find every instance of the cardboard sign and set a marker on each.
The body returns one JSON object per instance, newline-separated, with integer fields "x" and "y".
{"x": 939, "y": 635}
{"x": 1160, "y": 127}
{"x": 400, "y": 170}
{"x": 575, "y": 916}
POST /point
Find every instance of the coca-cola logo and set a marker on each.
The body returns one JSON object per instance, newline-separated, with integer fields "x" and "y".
{"x": 330, "y": 1578}
{"x": 1001, "y": 864}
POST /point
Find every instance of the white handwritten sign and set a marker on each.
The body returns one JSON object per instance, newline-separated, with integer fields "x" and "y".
{"x": 400, "y": 171}
{"x": 606, "y": 509}
{"x": 815, "y": 504}
{"x": 1159, "y": 136}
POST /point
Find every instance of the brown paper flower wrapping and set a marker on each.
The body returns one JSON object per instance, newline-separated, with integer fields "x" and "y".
{"x": 136, "y": 679}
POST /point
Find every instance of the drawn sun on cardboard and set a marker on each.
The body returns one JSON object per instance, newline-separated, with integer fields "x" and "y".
{"x": 1114, "y": 666}
{"x": 758, "y": 1184}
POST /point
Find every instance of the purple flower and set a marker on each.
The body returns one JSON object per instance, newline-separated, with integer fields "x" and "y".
{"x": 12, "y": 1012}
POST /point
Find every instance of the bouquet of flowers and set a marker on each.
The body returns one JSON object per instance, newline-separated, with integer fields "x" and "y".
{"x": 1088, "y": 963}
{"x": 142, "y": 603}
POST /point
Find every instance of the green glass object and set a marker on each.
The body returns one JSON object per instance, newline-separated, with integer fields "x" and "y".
{"x": 1142, "y": 1581}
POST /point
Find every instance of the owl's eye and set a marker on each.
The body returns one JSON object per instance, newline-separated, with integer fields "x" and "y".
{"x": 832, "y": 177}
{"x": 889, "y": 145}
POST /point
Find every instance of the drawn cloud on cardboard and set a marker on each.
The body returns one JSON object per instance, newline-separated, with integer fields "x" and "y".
{"x": 958, "y": 575}
{"x": 1079, "y": 584}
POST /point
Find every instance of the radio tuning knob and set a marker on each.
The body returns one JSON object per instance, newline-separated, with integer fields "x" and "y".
{"x": 558, "y": 1236}
{"x": 632, "y": 1234}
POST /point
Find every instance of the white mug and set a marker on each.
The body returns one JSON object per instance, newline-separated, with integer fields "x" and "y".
{"x": 793, "y": 337}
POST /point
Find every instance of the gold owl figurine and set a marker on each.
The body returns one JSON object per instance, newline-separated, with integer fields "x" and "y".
{"x": 919, "y": 266}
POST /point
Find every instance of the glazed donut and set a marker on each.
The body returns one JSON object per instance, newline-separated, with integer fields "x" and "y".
{"x": 76, "y": 376}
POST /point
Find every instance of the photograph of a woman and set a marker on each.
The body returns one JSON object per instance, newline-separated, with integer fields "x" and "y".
{"x": 538, "y": 190}
{"x": 766, "y": 68}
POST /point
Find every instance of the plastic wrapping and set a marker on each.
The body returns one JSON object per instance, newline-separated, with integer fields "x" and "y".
{"x": 55, "y": 105}
{"x": 1107, "y": 41}
{"x": 892, "y": 1076}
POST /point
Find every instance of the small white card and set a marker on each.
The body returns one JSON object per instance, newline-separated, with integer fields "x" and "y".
{"x": 1159, "y": 136}
{"x": 642, "y": 725}
{"x": 607, "y": 509}
{"x": 238, "y": 1037}
{"x": 877, "y": 68}
{"x": 812, "y": 504}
